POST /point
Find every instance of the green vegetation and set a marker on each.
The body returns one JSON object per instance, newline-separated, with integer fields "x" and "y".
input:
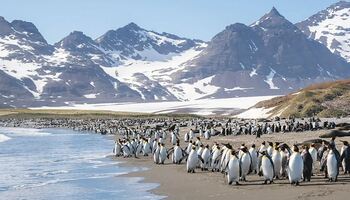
{"x": 82, "y": 114}
{"x": 330, "y": 99}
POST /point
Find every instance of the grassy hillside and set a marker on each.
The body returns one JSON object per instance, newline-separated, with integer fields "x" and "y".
{"x": 77, "y": 114}
{"x": 330, "y": 99}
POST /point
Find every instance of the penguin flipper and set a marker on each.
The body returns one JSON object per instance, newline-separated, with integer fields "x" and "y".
{"x": 273, "y": 166}
{"x": 251, "y": 163}
{"x": 240, "y": 167}
{"x": 200, "y": 158}
{"x": 170, "y": 151}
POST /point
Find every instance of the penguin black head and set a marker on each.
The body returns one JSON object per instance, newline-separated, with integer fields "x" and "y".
{"x": 313, "y": 145}
{"x": 263, "y": 143}
{"x": 346, "y": 143}
{"x": 233, "y": 152}
{"x": 253, "y": 145}
{"x": 207, "y": 146}
{"x": 271, "y": 144}
{"x": 295, "y": 148}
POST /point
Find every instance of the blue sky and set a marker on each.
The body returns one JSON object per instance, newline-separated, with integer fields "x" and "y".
{"x": 200, "y": 19}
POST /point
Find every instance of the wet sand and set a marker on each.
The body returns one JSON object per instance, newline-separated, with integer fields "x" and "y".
{"x": 176, "y": 183}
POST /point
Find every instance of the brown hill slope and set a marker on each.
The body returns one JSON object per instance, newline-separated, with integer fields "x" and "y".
{"x": 329, "y": 99}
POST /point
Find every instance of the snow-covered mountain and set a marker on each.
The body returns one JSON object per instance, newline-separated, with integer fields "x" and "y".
{"x": 331, "y": 27}
{"x": 80, "y": 69}
{"x": 271, "y": 56}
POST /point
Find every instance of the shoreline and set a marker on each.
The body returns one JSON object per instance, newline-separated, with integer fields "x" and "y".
{"x": 175, "y": 183}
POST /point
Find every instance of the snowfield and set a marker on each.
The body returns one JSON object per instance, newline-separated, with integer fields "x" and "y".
{"x": 228, "y": 106}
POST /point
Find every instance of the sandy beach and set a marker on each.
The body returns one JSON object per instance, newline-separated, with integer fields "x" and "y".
{"x": 176, "y": 183}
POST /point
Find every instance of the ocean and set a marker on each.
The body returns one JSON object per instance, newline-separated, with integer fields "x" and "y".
{"x": 64, "y": 164}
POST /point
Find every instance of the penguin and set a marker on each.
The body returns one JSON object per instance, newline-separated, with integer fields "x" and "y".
{"x": 178, "y": 154}
{"x": 199, "y": 153}
{"x": 156, "y": 154}
{"x": 174, "y": 139}
{"x": 308, "y": 162}
{"x": 254, "y": 155}
{"x": 186, "y": 137}
{"x": 162, "y": 154}
{"x": 245, "y": 162}
{"x": 139, "y": 148}
{"x": 192, "y": 160}
{"x": 285, "y": 154}
{"x": 345, "y": 157}
{"x": 313, "y": 153}
{"x": 215, "y": 162}
{"x": 201, "y": 132}
{"x": 154, "y": 146}
{"x": 270, "y": 149}
{"x": 198, "y": 142}
{"x": 295, "y": 167}
{"x": 207, "y": 134}
{"x": 232, "y": 169}
{"x": 240, "y": 152}
{"x": 206, "y": 158}
{"x": 225, "y": 156}
{"x": 191, "y": 134}
{"x": 146, "y": 148}
{"x": 262, "y": 147}
{"x": 323, "y": 161}
{"x": 267, "y": 168}
{"x": 117, "y": 148}
{"x": 164, "y": 135}
{"x": 277, "y": 162}
{"x": 189, "y": 147}
{"x": 332, "y": 165}
{"x": 126, "y": 150}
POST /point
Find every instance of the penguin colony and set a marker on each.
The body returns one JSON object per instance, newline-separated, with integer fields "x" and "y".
{"x": 270, "y": 161}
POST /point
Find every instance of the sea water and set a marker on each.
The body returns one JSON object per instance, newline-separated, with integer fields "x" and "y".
{"x": 64, "y": 164}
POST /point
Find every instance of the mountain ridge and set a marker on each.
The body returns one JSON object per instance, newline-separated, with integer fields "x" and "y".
{"x": 271, "y": 56}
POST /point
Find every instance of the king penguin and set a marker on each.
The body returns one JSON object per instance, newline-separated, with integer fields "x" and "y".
{"x": 295, "y": 167}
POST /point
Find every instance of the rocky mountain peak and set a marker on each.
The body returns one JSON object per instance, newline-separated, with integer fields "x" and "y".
{"x": 28, "y": 29}
{"x": 75, "y": 41}
{"x": 273, "y": 19}
{"x": 341, "y": 4}
{"x": 5, "y": 27}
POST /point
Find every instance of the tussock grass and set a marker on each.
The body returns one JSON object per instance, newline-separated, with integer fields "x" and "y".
{"x": 330, "y": 99}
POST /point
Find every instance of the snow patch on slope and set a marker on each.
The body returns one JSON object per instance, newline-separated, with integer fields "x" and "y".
{"x": 334, "y": 31}
{"x": 269, "y": 80}
{"x": 255, "y": 113}
{"x": 200, "y": 107}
